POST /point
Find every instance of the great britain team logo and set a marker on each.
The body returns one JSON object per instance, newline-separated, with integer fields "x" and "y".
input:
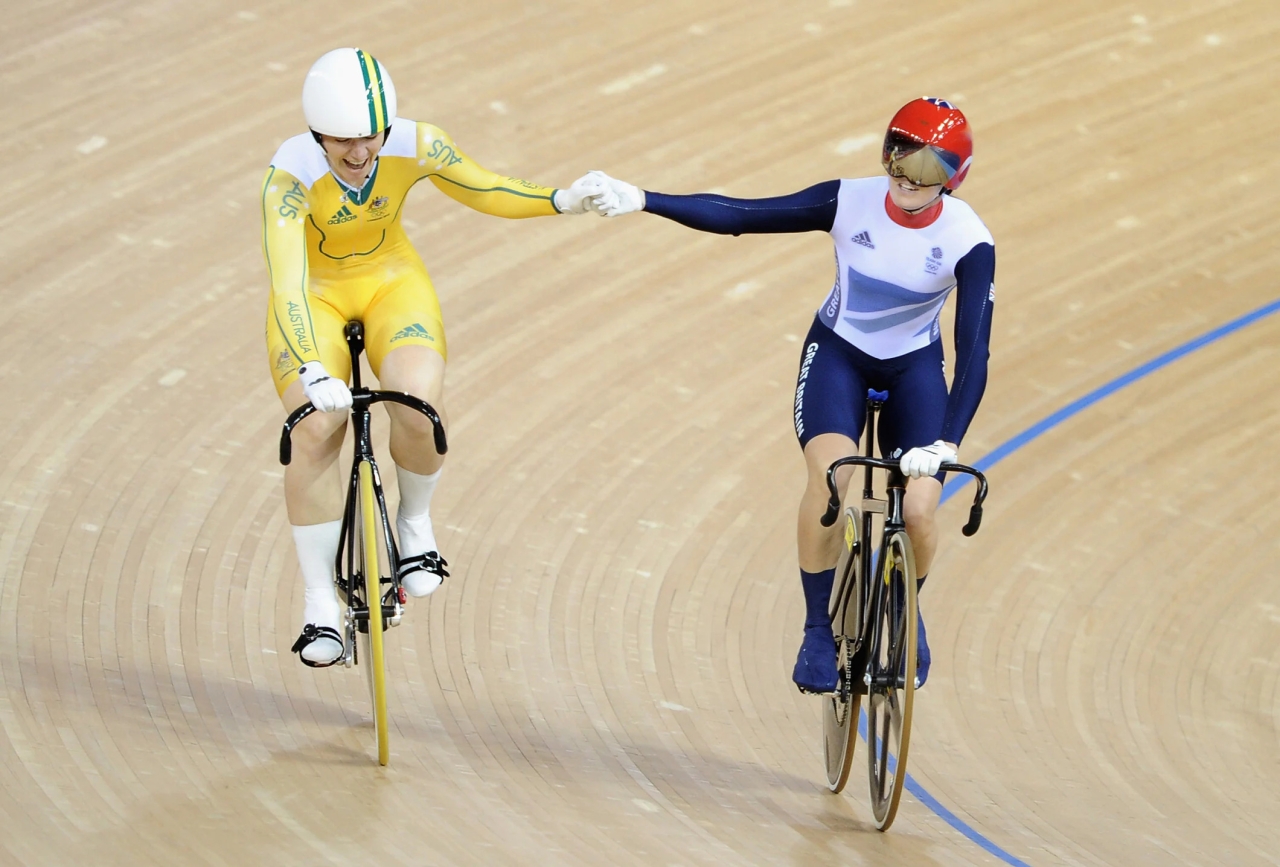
{"x": 933, "y": 264}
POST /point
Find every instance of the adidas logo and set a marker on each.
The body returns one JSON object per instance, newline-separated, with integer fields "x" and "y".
{"x": 863, "y": 238}
{"x": 344, "y": 215}
{"x": 414, "y": 330}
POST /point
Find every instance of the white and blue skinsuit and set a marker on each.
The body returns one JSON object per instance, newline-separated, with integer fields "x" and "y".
{"x": 878, "y": 327}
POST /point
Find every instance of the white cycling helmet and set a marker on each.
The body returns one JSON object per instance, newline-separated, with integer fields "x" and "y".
{"x": 348, "y": 94}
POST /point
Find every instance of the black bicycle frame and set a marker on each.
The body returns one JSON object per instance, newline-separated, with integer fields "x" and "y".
{"x": 890, "y": 507}
{"x": 362, "y": 399}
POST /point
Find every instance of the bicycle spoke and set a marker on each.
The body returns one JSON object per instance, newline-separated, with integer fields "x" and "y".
{"x": 376, "y": 668}
{"x": 892, "y": 674}
{"x": 840, "y": 711}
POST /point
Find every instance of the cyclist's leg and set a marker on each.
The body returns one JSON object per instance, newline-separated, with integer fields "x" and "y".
{"x": 830, "y": 410}
{"x": 407, "y": 349}
{"x": 919, "y": 512}
{"x": 913, "y": 417}
{"x": 313, "y": 486}
{"x": 819, "y": 546}
{"x": 419, "y": 371}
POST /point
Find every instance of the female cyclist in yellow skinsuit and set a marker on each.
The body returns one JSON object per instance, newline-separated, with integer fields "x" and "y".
{"x": 336, "y": 251}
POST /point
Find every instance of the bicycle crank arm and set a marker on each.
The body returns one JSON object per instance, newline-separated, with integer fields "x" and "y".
{"x": 361, "y": 615}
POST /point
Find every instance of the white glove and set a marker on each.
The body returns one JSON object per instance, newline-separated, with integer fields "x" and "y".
{"x": 328, "y": 394}
{"x": 581, "y": 195}
{"x": 921, "y": 462}
{"x": 618, "y": 197}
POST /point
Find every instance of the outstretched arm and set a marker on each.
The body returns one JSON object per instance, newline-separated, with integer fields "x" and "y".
{"x": 810, "y": 210}
{"x": 464, "y": 180}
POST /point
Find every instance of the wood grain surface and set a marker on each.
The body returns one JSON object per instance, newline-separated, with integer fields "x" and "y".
{"x": 605, "y": 679}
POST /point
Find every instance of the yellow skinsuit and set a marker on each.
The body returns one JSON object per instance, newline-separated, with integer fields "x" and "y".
{"x": 335, "y": 253}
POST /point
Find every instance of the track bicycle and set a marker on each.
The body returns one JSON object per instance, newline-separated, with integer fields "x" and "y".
{"x": 874, "y": 609}
{"x": 367, "y": 567}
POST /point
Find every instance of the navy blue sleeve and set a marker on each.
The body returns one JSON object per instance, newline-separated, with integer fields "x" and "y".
{"x": 975, "y": 298}
{"x": 811, "y": 210}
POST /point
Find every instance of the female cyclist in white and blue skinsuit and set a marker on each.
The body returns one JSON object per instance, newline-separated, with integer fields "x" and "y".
{"x": 902, "y": 246}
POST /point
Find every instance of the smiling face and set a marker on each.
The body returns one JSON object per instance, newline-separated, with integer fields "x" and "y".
{"x": 352, "y": 158}
{"x": 912, "y": 197}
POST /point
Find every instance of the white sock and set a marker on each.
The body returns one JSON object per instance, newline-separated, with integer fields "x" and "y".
{"x": 317, "y": 546}
{"x": 413, "y": 518}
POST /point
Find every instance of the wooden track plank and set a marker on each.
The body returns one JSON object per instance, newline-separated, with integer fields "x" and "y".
{"x": 606, "y": 675}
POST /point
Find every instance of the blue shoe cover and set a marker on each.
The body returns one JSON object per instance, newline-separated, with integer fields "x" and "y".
{"x": 816, "y": 664}
{"x": 923, "y": 657}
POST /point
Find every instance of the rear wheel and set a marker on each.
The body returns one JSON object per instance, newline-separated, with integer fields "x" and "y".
{"x": 840, "y": 710}
{"x": 371, "y": 649}
{"x": 891, "y": 675}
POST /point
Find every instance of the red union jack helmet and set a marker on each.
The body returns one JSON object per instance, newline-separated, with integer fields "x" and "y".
{"x": 928, "y": 142}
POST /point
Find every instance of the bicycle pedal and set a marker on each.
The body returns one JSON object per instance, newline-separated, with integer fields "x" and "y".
{"x": 817, "y": 691}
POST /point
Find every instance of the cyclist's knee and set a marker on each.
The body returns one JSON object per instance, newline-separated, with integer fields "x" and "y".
{"x": 417, "y": 370}
{"x": 319, "y": 436}
{"x": 920, "y": 505}
{"x": 410, "y": 422}
{"x": 819, "y": 454}
{"x": 918, "y": 522}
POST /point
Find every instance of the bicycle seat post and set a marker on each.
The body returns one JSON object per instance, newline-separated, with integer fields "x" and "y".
{"x": 875, "y": 401}
{"x": 355, "y": 342}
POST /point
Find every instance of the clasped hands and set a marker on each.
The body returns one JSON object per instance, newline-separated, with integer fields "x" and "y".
{"x": 597, "y": 192}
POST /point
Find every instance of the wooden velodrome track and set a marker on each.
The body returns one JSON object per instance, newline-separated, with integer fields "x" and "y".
{"x": 605, "y": 679}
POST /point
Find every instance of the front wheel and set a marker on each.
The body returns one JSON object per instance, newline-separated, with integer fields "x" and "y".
{"x": 891, "y": 676}
{"x": 840, "y": 709}
{"x": 371, "y": 648}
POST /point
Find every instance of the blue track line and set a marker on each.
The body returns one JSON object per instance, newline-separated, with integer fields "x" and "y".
{"x": 1010, "y": 446}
